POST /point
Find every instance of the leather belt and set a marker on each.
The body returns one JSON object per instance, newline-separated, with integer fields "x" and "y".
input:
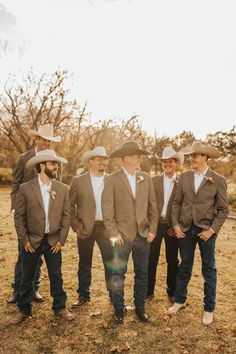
{"x": 163, "y": 220}
{"x": 98, "y": 222}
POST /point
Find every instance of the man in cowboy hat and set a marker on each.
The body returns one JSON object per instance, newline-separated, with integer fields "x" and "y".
{"x": 165, "y": 188}
{"x": 199, "y": 210}
{"x": 42, "y": 221}
{"x": 130, "y": 218}
{"x": 43, "y": 139}
{"x": 87, "y": 221}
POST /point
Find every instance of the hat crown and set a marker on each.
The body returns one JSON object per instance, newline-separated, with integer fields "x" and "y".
{"x": 46, "y": 130}
{"x": 130, "y": 144}
{"x": 47, "y": 152}
{"x": 168, "y": 151}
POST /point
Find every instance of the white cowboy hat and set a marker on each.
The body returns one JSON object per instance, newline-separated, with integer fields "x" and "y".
{"x": 129, "y": 148}
{"x": 170, "y": 153}
{"x": 46, "y": 132}
{"x": 97, "y": 151}
{"x": 200, "y": 147}
{"x": 43, "y": 156}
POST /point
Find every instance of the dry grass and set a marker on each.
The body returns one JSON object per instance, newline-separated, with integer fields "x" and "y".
{"x": 180, "y": 334}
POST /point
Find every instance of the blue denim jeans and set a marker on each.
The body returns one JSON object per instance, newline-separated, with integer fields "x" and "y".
{"x": 187, "y": 248}
{"x": 85, "y": 249}
{"x": 140, "y": 254}
{"x": 29, "y": 265}
{"x": 18, "y": 271}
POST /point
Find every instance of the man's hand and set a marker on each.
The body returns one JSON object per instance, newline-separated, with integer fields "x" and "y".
{"x": 29, "y": 248}
{"x": 171, "y": 232}
{"x": 178, "y": 232}
{"x": 56, "y": 248}
{"x": 79, "y": 235}
{"x": 117, "y": 240}
{"x": 150, "y": 237}
{"x": 205, "y": 234}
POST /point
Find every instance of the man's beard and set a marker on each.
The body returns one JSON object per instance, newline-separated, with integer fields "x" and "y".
{"x": 50, "y": 173}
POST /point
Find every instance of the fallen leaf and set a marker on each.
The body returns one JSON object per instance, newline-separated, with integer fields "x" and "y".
{"x": 167, "y": 329}
{"x": 104, "y": 324}
{"x": 120, "y": 348}
{"x": 95, "y": 313}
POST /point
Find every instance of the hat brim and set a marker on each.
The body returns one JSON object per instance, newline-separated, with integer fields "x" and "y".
{"x": 128, "y": 152}
{"x": 178, "y": 157}
{"x": 88, "y": 156}
{"x": 55, "y": 139}
{"x": 43, "y": 158}
{"x": 211, "y": 152}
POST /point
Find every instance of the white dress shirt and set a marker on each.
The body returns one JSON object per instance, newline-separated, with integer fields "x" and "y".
{"x": 168, "y": 185}
{"x": 198, "y": 178}
{"x": 98, "y": 186}
{"x": 46, "y": 198}
{"x": 132, "y": 181}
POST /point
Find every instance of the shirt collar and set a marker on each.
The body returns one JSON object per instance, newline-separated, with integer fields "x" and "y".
{"x": 201, "y": 174}
{"x": 93, "y": 176}
{"x": 172, "y": 179}
{"x": 42, "y": 184}
{"x": 127, "y": 173}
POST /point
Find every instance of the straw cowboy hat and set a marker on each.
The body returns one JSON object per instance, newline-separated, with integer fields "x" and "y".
{"x": 170, "y": 153}
{"x": 46, "y": 132}
{"x": 43, "y": 156}
{"x": 129, "y": 148}
{"x": 98, "y": 151}
{"x": 200, "y": 147}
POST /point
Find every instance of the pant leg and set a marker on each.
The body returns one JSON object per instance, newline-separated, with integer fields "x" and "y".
{"x": 29, "y": 265}
{"x": 54, "y": 263}
{"x": 106, "y": 250}
{"x": 140, "y": 254}
{"x": 37, "y": 275}
{"x": 154, "y": 255}
{"x": 18, "y": 269}
{"x": 85, "y": 249}
{"x": 172, "y": 260}
{"x": 121, "y": 257}
{"x": 207, "y": 249}
{"x": 187, "y": 246}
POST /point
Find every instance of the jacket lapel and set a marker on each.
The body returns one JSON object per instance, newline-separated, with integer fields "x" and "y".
{"x": 51, "y": 200}
{"x": 205, "y": 180}
{"x": 37, "y": 191}
{"x": 89, "y": 185}
{"x": 125, "y": 181}
{"x": 192, "y": 181}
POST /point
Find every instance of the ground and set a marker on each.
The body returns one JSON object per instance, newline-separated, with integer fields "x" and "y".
{"x": 93, "y": 331}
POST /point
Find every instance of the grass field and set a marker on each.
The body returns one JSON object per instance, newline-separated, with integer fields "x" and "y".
{"x": 93, "y": 331}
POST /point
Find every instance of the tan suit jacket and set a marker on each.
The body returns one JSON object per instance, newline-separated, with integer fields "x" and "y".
{"x": 125, "y": 214}
{"x": 30, "y": 216}
{"x": 208, "y": 208}
{"x": 22, "y": 174}
{"x": 158, "y": 184}
{"x": 83, "y": 205}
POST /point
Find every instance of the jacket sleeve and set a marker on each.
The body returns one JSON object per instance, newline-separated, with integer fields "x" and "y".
{"x": 177, "y": 202}
{"x": 16, "y": 181}
{"x": 20, "y": 217}
{"x": 152, "y": 209}
{"x": 73, "y": 197}
{"x": 222, "y": 206}
{"x": 65, "y": 222}
{"x": 108, "y": 209}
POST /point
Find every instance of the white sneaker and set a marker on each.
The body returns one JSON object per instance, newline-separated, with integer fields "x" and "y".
{"x": 207, "y": 318}
{"x": 175, "y": 308}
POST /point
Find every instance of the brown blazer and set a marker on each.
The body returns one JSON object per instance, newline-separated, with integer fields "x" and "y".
{"x": 208, "y": 208}
{"x": 125, "y": 214}
{"x": 158, "y": 184}
{"x": 22, "y": 174}
{"x": 30, "y": 216}
{"x": 83, "y": 206}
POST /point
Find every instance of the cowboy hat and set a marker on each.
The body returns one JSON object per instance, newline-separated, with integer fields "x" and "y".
{"x": 43, "y": 156}
{"x": 46, "y": 132}
{"x": 170, "y": 153}
{"x": 129, "y": 148}
{"x": 202, "y": 148}
{"x": 98, "y": 151}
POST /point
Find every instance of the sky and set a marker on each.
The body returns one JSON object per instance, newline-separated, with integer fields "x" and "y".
{"x": 171, "y": 62}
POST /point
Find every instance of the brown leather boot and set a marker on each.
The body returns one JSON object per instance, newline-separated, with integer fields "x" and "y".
{"x": 13, "y": 298}
{"x": 19, "y": 318}
{"x": 65, "y": 314}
